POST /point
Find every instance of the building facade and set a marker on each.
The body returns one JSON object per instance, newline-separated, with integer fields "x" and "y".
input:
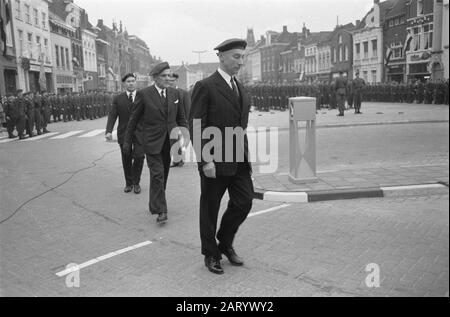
{"x": 445, "y": 39}
{"x": 141, "y": 60}
{"x": 32, "y": 41}
{"x": 60, "y": 35}
{"x": 341, "y": 51}
{"x": 437, "y": 63}
{"x": 394, "y": 29}
{"x": 89, "y": 37}
{"x": 419, "y": 43}
{"x": 8, "y": 61}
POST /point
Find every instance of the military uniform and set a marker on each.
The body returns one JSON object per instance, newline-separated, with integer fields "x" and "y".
{"x": 358, "y": 85}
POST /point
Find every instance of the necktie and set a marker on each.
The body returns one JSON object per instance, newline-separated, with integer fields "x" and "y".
{"x": 163, "y": 97}
{"x": 130, "y": 97}
{"x": 233, "y": 84}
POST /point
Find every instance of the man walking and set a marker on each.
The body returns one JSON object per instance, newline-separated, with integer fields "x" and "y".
{"x": 132, "y": 162}
{"x": 220, "y": 102}
{"x": 158, "y": 110}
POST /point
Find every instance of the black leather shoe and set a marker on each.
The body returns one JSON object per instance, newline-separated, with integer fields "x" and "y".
{"x": 213, "y": 265}
{"x": 128, "y": 189}
{"x": 162, "y": 218}
{"x": 137, "y": 189}
{"x": 231, "y": 255}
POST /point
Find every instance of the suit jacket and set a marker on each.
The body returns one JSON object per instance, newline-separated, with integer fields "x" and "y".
{"x": 185, "y": 100}
{"x": 157, "y": 119}
{"x": 122, "y": 108}
{"x": 216, "y": 105}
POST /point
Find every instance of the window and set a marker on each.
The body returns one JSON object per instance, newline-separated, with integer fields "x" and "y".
{"x": 342, "y": 57}
{"x": 416, "y": 39}
{"x": 358, "y": 51}
{"x": 39, "y": 47}
{"x": 47, "y": 58}
{"x": 63, "y": 64}
{"x": 346, "y": 53}
{"x": 44, "y": 19}
{"x": 67, "y": 58}
{"x": 397, "y": 21}
{"x": 391, "y": 23}
{"x": 366, "y": 49}
{"x": 18, "y": 10}
{"x": 419, "y": 7}
{"x": 27, "y": 14}
{"x": 30, "y": 45}
{"x": 402, "y": 20}
{"x": 365, "y": 76}
{"x": 428, "y": 36}
{"x": 20, "y": 43}
{"x": 36, "y": 17}
{"x": 340, "y": 39}
{"x": 57, "y": 55}
{"x": 374, "y": 76}
{"x": 374, "y": 48}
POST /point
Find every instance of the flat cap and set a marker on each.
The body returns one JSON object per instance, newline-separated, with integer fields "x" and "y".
{"x": 128, "y": 76}
{"x": 158, "y": 69}
{"x": 231, "y": 44}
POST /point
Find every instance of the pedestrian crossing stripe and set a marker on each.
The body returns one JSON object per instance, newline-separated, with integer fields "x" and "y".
{"x": 66, "y": 135}
{"x": 60, "y": 136}
{"x": 43, "y": 136}
{"x": 93, "y": 133}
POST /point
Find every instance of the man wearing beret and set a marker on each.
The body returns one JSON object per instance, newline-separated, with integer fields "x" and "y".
{"x": 159, "y": 111}
{"x": 221, "y": 102}
{"x": 133, "y": 162}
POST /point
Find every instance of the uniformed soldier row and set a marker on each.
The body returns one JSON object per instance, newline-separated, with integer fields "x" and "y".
{"x": 32, "y": 112}
{"x": 267, "y": 97}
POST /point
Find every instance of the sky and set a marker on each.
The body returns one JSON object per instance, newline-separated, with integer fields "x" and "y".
{"x": 174, "y": 29}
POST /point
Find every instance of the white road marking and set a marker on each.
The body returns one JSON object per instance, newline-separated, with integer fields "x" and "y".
{"x": 253, "y": 214}
{"x": 92, "y": 133}
{"x": 43, "y": 136}
{"x": 66, "y": 135}
{"x": 102, "y": 258}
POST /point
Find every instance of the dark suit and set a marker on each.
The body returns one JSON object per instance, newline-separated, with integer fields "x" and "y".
{"x": 215, "y": 103}
{"x": 132, "y": 162}
{"x": 158, "y": 119}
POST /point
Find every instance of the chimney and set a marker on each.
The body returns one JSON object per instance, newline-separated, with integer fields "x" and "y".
{"x": 357, "y": 23}
{"x": 285, "y": 29}
{"x": 100, "y": 23}
{"x": 377, "y": 2}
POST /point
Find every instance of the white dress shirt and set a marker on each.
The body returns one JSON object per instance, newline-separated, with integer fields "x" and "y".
{"x": 160, "y": 90}
{"x": 132, "y": 93}
{"x": 227, "y": 78}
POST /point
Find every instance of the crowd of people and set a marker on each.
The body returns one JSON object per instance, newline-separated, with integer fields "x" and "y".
{"x": 265, "y": 97}
{"x": 30, "y": 113}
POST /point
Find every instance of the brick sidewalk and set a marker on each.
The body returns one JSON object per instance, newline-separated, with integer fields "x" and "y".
{"x": 356, "y": 179}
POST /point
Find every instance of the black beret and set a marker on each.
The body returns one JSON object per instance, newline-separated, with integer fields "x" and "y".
{"x": 231, "y": 44}
{"x": 158, "y": 69}
{"x": 128, "y": 76}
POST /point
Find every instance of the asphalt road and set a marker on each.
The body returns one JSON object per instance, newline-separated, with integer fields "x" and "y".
{"x": 62, "y": 202}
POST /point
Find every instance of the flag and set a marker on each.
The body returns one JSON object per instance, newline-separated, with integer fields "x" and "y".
{"x": 42, "y": 81}
{"x": 388, "y": 56}
{"x": 3, "y": 35}
{"x": 7, "y": 12}
{"x": 408, "y": 41}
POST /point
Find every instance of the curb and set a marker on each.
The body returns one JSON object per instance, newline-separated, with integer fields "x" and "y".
{"x": 351, "y": 193}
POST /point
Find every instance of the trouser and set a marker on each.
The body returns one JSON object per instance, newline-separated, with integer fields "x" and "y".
{"x": 340, "y": 98}
{"x": 77, "y": 114}
{"x": 45, "y": 118}
{"x": 240, "y": 190}
{"x": 350, "y": 100}
{"x": 38, "y": 119}
{"x": 132, "y": 165}
{"x": 159, "y": 165}
{"x": 29, "y": 123}
{"x": 18, "y": 123}
{"x": 357, "y": 100}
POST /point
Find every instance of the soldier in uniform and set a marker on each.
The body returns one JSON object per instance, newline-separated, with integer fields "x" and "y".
{"x": 420, "y": 92}
{"x": 341, "y": 91}
{"x": 16, "y": 116}
{"x": 29, "y": 113}
{"x": 358, "y": 85}
{"x": 45, "y": 111}
{"x": 37, "y": 102}
{"x": 350, "y": 94}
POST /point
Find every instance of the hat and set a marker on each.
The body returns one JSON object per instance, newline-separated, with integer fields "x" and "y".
{"x": 231, "y": 44}
{"x": 128, "y": 76}
{"x": 158, "y": 69}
